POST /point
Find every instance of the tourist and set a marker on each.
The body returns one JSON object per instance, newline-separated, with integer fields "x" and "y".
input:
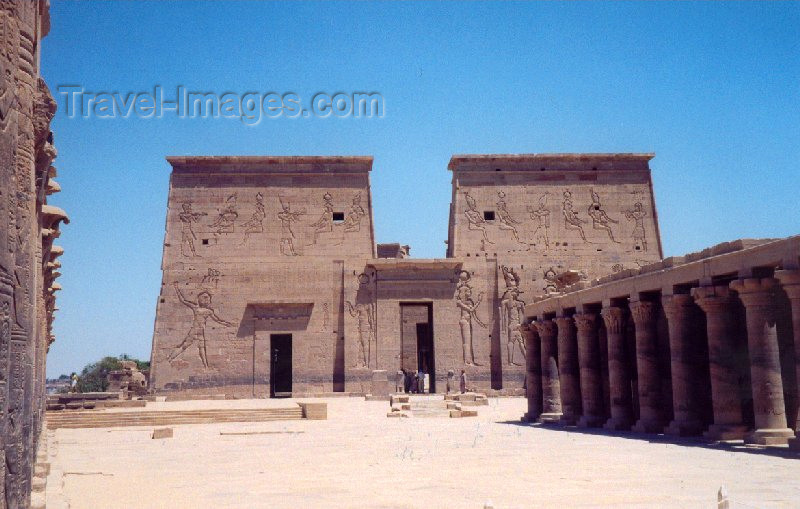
{"x": 463, "y": 382}
{"x": 407, "y": 381}
{"x": 414, "y": 388}
{"x": 400, "y": 381}
{"x": 73, "y": 384}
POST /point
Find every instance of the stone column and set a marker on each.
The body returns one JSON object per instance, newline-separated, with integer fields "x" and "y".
{"x": 618, "y": 375}
{"x": 551, "y": 388}
{"x": 716, "y": 302}
{"x": 533, "y": 366}
{"x": 591, "y": 378}
{"x": 681, "y": 317}
{"x": 568, "y": 371}
{"x": 758, "y": 296}
{"x": 650, "y": 414}
{"x": 790, "y": 280}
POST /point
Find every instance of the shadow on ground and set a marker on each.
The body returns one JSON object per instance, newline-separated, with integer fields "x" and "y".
{"x": 732, "y": 446}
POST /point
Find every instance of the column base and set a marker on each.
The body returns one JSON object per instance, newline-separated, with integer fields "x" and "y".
{"x": 794, "y": 443}
{"x": 684, "y": 428}
{"x": 568, "y": 420}
{"x": 769, "y": 436}
{"x": 529, "y": 417}
{"x": 644, "y": 426}
{"x": 591, "y": 421}
{"x": 726, "y": 432}
{"x": 550, "y": 418}
{"x": 617, "y": 425}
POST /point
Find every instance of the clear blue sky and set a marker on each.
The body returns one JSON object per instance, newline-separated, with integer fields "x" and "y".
{"x": 712, "y": 88}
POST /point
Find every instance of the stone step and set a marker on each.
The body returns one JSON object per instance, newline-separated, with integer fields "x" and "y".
{"x": 100, "y": 419}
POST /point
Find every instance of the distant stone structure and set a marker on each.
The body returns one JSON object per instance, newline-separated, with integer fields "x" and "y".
{"x": 128, "y": 380}
{"x": 273, "y": 283}
{"x": 705, "y": 343}
{"x": 28, "y": 256}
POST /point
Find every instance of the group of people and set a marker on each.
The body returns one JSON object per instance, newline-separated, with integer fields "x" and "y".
{"x": 419, "y": 382}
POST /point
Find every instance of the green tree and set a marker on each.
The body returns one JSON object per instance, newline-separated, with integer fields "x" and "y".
{"x": 94, "y": 377}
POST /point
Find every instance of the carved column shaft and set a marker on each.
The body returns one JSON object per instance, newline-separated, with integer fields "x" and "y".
{"x": 790, "y": 281}
{"x": 618, "y": 372}
{"x": 716, "y": 302}
{"x": 681, "y": 315}
{"x": 649, "y": 379}
{"x": 591, "y": 376}
{"x": 758, "y": 296}
{"x": 551, "y": 387}
{"x": 533, "y": 366}
{"x": 568, "y": 370}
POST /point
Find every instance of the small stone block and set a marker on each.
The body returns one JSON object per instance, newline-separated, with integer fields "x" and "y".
{"x": 162, "y": 433}
{"x": 455, "y": 413}
{"x": 316, "y": 411}
{"x": 469, "y": 413}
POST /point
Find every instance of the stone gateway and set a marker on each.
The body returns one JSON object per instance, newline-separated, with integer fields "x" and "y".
{"x": 273, "y": 284}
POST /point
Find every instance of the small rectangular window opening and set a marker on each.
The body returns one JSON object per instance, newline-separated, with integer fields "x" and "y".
{"x": 338, "y": 217}
{"x": 488, "y": 215}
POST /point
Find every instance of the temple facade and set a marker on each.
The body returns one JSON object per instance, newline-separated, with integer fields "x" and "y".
{"x": 703, "y": 344}
{"x": 273, "y": 283}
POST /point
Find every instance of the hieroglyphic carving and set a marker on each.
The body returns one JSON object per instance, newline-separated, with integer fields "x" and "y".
{"x": 226, "y": 220}
{"x": 256, "y": 222}
{"x": 210, "y": 279}
{"x": 542, "y": 216}
{"x": 201, "y": 312}
{"x": 325, "y": 222}
{"x": 571, "y": 219}
{"x": 637, "y": 215}
{"x": 286, "y": 217}
{"x": 512, "y": 313}
{"x": 468, "y": 308}
{"x": 600, "y": 219}
{"x": 474, "y": 219}
{"x": 353, "y": 221}
{"x": 326, "y": 318}
{"x": 364, "y": 311}
{"x": 187, "y": 217}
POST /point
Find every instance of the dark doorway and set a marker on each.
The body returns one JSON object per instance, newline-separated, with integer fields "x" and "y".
{"x": 280, "y": 367}
{"x": 417, "y": 352}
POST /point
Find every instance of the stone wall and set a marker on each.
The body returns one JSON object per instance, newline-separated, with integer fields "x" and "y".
{"x": 28, "y": 265}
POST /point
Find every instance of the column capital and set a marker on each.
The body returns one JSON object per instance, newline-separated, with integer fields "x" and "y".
{"x": 643, "y": 312}
{"x": 585, "y": 322}
{"x": 790, "y": 281}
{"x": 527, "y": 328}
{"x": 545, "y": 328}
{"x": 564, "y": 322}
{"x": 614, "y": 318}
{"x": 678, "y": 305}
{"x": 755, "y": 291}
{"x": 712, "y": 298}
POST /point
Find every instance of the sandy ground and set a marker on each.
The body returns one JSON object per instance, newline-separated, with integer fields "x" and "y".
{"x": 361, "y": 458}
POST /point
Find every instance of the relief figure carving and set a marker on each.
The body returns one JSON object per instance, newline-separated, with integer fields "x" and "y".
{"x": 201, "y": 312}
{"x": 571, "y": 219}
{"x": 226, "y": 220}
{"x": 325, "y": 223}
{"x": 353, "y": 221}
{"x": 637, "y": 215}
{"x": 474, "y": 219}
{"x": 507, "y": 222}
{"x": 187, "y": 217}
{"x": 512, "y": 313}
{"x": 365, "y": 314}
{"x": 600, "y": 220}
{"x": 468, "y": 308}
{"x": 256, "y": 222}
{"x": 286, "y": 217}
{"x": 542, "y": 215}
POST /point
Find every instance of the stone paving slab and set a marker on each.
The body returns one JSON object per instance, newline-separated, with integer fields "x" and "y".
{"x": 359, "y": 458}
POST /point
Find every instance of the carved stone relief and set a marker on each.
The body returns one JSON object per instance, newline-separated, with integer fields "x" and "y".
{"x": 226, "y": 220}
{"x": 353, "y": 221}
{"x": 201, "y": 312}
{"x": 542, "y": 216}
{"x": 512, "y": 313}
{"x": 286, "y": 216}
{"x": 468, "y": 307}
{"x": 571, "y": 219}
{"x": 600, "y": 219}
{"x": 188, "y": 236}
{"x": 364, "y": 311}
{"x": 475, "y": 220}
{"x": 256, "y": 222}
{"x": 637, "y": 215}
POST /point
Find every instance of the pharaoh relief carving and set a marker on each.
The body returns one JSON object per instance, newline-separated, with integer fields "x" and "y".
{"x": 286, "y": 216}
{"x": 512, "y": 312}
{"x": 637, "y": 215}
{"x": 256, "y": 222}
{"x": 364, "y": 311}
{"x": 506, "y": 221}
{"x": 188, "y": 218}
{"x": 542, "y": 216}
{"x": 201, "y": 312}
{"x": 600, "y": 219}
{"x": 474, "y": 219}
{"x": 571, "y": 220}
{"x": 226, "y": 220}
{"x": 469, "y": 315}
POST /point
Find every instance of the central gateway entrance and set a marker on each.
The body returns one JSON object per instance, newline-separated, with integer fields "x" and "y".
{"x": 280, "y": 365}
{"x": 417, "y": 340}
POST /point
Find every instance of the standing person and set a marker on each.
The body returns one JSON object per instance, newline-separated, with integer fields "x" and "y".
{"x": 73, "y": 384}
{"x": 407, "y": 381}
{"x": 421, "y": 381}
{"x": 450, "y": 377}
{"x": 400, "y": 381}
{"x": 463, "y": 382}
